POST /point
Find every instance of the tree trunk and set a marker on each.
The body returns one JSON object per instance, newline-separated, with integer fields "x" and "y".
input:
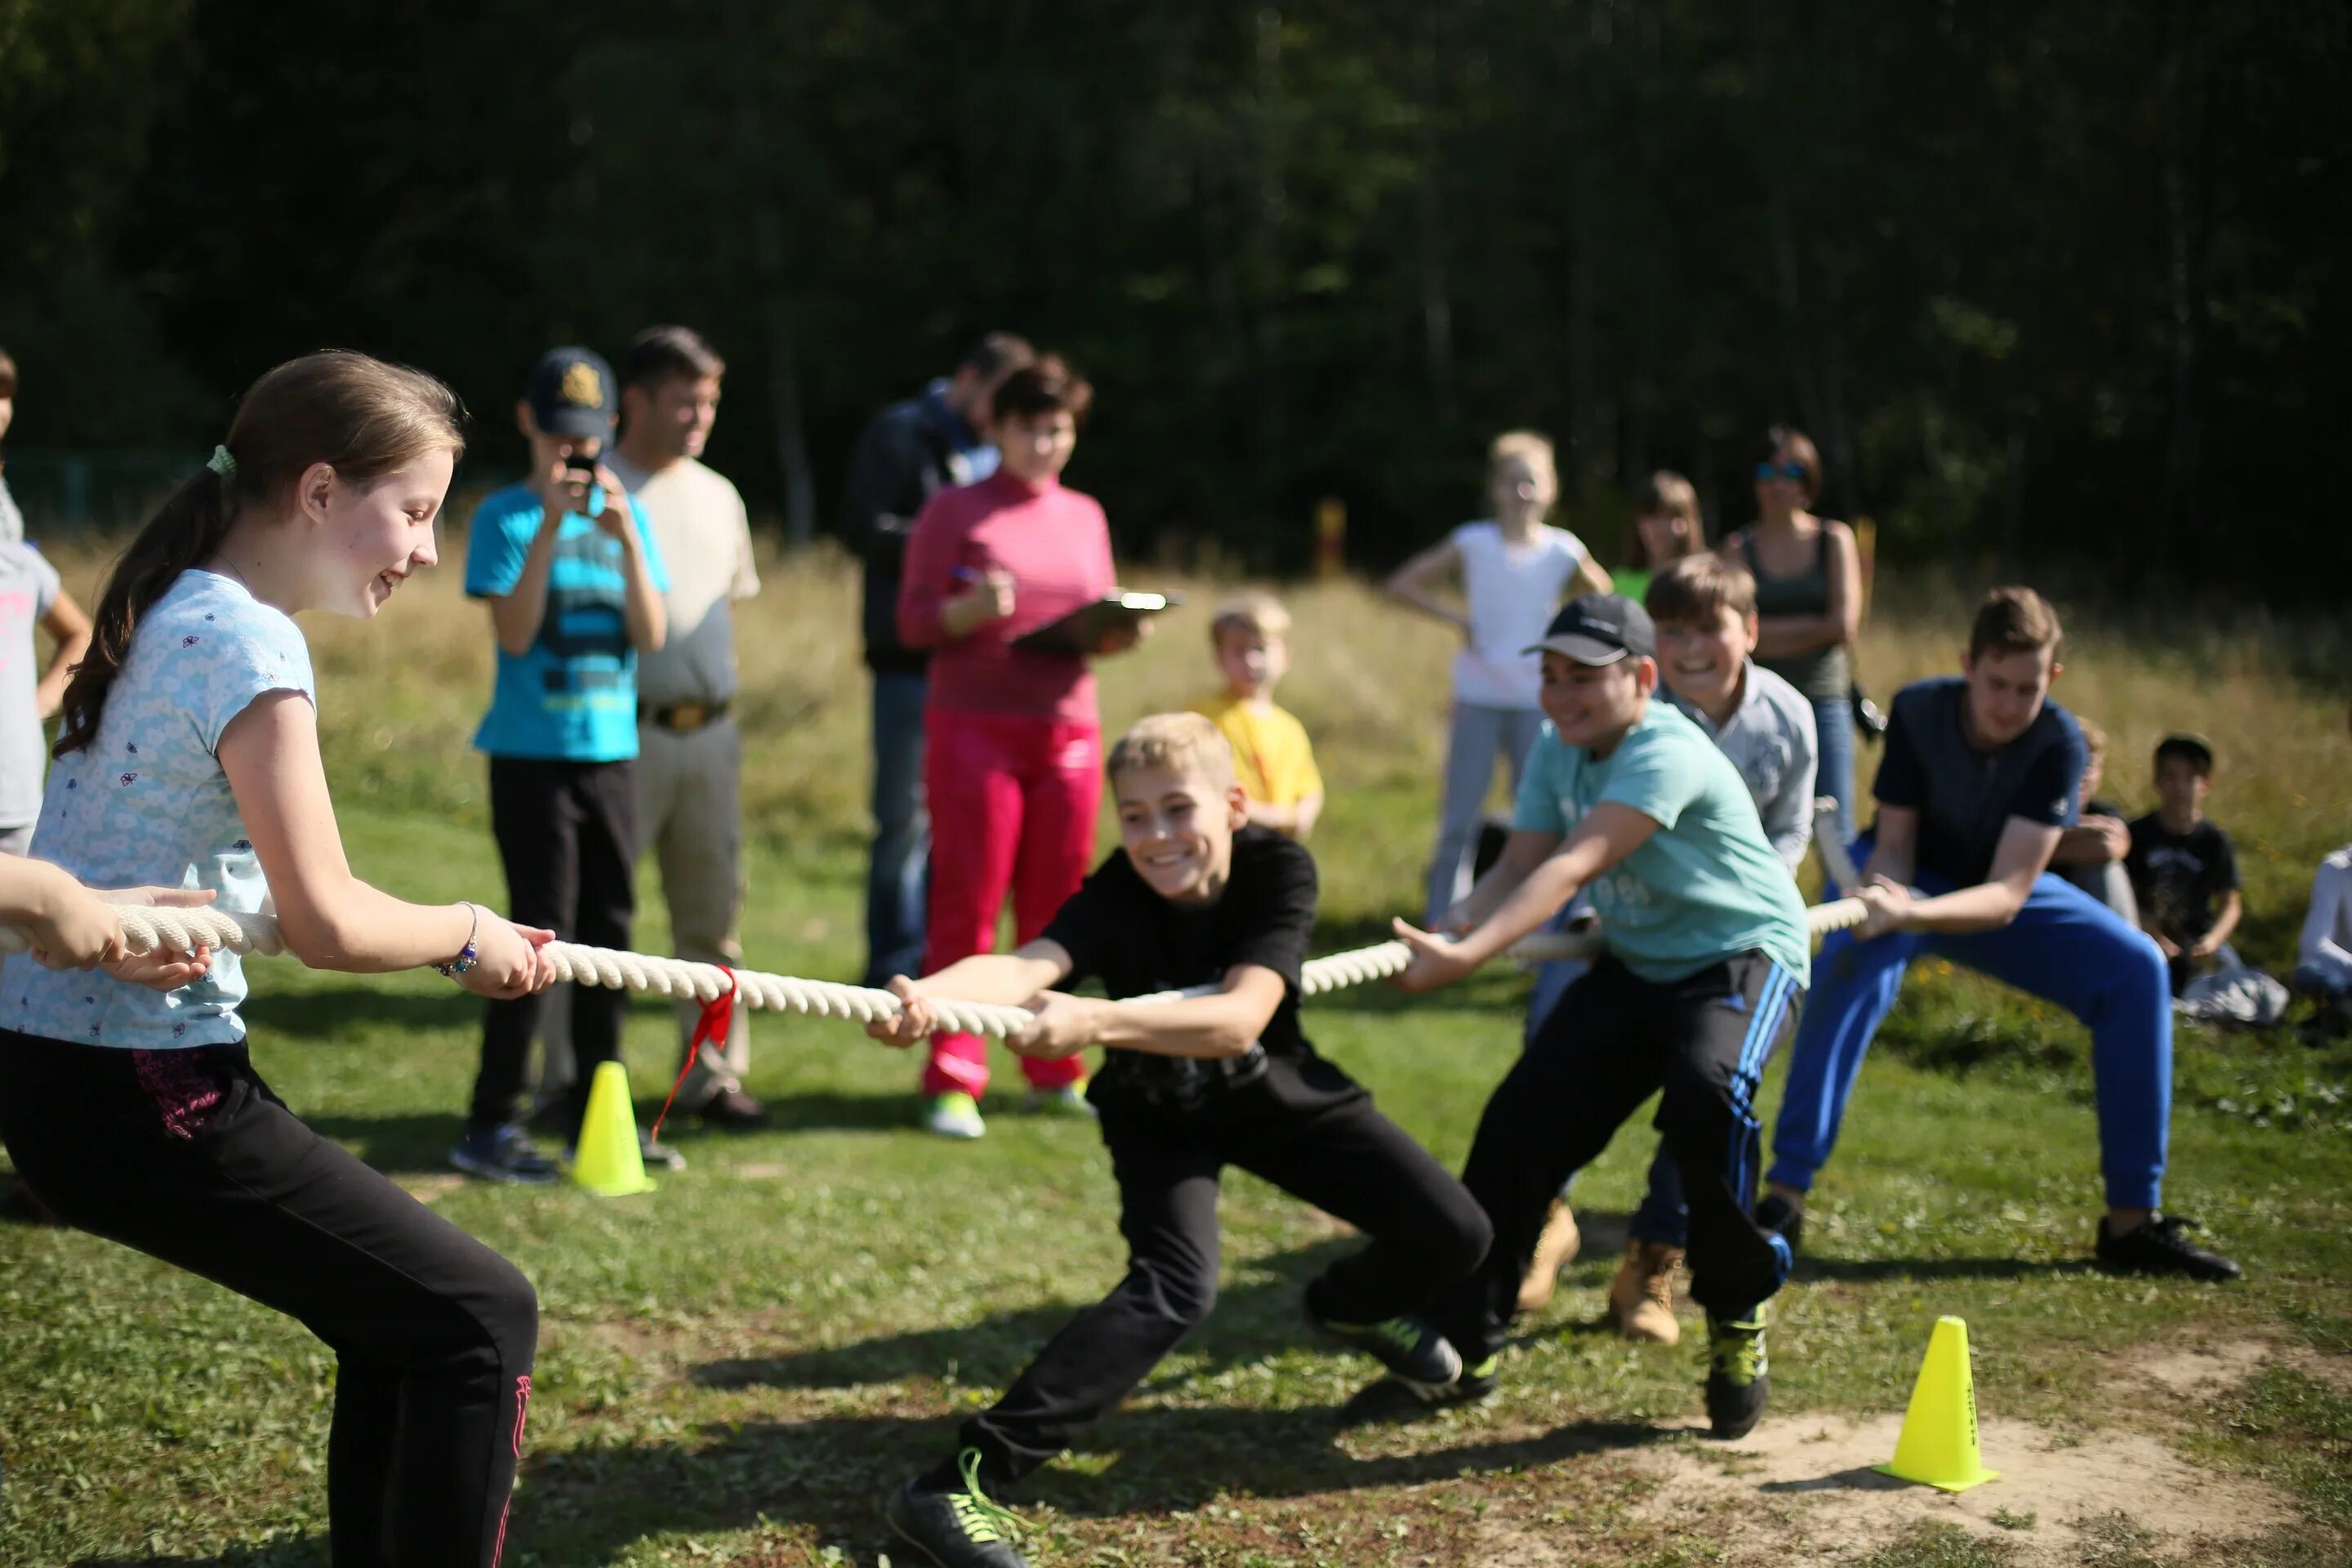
{"x": 2184, "y": 310}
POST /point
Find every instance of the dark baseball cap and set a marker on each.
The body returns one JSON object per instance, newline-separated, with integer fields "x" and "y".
{"x": 1599, "y": 628}
{"x": 571, "y": 394}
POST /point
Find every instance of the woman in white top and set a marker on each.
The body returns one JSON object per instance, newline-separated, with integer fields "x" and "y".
{"x": 1514, "y": 570}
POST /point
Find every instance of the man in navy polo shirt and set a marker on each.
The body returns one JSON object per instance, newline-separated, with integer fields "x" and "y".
{"x": 1977, "y": 781}
{"x": 574, "y": 583}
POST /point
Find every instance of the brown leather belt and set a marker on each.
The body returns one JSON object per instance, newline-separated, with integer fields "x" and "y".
{"x": 684, "y": 718}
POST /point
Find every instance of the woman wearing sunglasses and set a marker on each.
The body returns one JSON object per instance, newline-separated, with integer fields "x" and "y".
{"x": 1808, "y": 600}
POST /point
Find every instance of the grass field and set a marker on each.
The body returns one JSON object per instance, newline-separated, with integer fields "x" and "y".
{"x": 734, "y": 1369}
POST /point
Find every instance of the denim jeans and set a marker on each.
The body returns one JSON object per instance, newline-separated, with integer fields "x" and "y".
{"x": 1475, "y": 740}
{"x": 1833, "y": 765}
{"x": 896, "y": 877}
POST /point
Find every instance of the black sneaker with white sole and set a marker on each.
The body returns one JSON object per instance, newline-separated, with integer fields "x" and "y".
{"x": 2161, "y": 1246}
{"x": 1416, "y": 1354}
{"x": 954, "y": 1524}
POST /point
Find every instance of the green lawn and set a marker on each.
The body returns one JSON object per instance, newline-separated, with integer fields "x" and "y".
{"x": 735, "y": 1368}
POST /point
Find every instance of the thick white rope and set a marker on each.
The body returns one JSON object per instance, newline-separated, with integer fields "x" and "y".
{"x": 146, "y": 929}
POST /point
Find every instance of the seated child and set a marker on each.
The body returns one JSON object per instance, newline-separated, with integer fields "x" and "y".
{"x": 1195, "y": 896}
{"x": 2091, "y": 854}
{"x": 1977, "y": 783}
{"x": 2184, "y": 871}
{"x": 1706, "y": 953}
{"x": 1703, "y": 608}
{"x": 30, "y": 596}
{"x": 2322, "y": 958}
{"x": 1272, "y": 756}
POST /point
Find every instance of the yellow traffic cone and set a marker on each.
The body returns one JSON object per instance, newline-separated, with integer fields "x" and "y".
{"x": 609, "y": 1163}
{"x": 1938, "y": 1445}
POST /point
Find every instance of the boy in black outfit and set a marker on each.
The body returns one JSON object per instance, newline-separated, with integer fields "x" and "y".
{"x": 2183, "y": 869}
{"x": 1194, "y": 896}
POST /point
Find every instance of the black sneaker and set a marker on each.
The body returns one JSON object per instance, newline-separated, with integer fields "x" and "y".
{"x": 502, "y": 1153}
{"x": 1470, "y": 1385}
{"x": 956, "y": 1527}
{"x": 1415, "y": 1354}
{"x": 2161, "y": 1246}
{"x": 1737, "y": 1380}
{"x": 1776, "y": 1213}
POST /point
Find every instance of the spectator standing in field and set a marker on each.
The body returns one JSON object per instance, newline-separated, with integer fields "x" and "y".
{"x": 908, "y": 453}
{"x": 1273, "y": 758}
{"x": 2091, "y": 854}
{"x": 1667, "y": 528}
{"x": 12, "y": 521}
{"x": 1013, "y": 760}
{"x": 1515, "y": 569}
{"x": 690, "y": 751}
{"x": 30, "y": 596}
{"x": 574, "y": 581}
{"x": 1808, "y": 574}
{"x": 2184, "y": 871}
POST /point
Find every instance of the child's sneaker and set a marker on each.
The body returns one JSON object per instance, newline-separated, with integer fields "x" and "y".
{"x": 1471, "y": 1385}
{"x": 1556, "y": 1249}
{"x": 955, "y": 1114}
{"x": 1642, "y": 1297}
{"x": 2161, "y": 1246}
{"x": 1416, "y": 1354}
{"x": 956, "y": 1526}
{"x": 1737, "y": 1380}
{"x": 1070, "y": 1099}
{"x": 659, "y": 1156}
{"x": 501, "y": 1153}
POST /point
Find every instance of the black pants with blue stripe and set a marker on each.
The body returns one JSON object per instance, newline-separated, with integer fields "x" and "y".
{"x": 1614, "y": 1040}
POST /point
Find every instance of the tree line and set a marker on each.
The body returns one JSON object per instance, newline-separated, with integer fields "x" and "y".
{"x": 2042, "y": 281}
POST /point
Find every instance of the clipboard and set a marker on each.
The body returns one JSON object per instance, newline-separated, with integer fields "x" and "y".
{"x": 1085, "y": 630}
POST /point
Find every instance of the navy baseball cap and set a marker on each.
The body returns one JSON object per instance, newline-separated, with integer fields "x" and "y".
{"x": 1599, "y": 628}
{"x": 571, "y": 394}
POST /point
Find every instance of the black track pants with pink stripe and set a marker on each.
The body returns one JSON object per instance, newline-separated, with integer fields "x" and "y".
{"x": 186, "y": 1156}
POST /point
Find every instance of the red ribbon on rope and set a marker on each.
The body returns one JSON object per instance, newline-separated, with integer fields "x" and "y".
{"x": 718, "y": 1021}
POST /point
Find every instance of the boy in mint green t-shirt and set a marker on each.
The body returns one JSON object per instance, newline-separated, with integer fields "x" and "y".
{"x": 1706, "y": 956}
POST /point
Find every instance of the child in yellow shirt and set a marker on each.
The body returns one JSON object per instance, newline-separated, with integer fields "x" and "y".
{"x": 1272, "y": 756}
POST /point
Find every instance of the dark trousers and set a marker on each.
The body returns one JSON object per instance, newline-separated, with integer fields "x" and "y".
{"x": 897, "y": 873}
{"x": 1303, "y": 1126}
{"x": 1613, "y": 1041}
{"x": 567, "y": 833}
{"x": 187, "y": 1156}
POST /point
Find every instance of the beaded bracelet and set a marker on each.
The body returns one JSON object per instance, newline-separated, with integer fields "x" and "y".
{"x": 467, "y": 956}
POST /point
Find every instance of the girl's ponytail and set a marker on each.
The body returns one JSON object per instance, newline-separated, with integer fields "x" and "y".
{"x": 360, "y": 417}
{"x": 185, "y": 533}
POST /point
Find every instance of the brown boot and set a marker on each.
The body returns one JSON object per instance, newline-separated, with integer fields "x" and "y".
{"x": 1642, "y": 1297}
{"x": 1555, "y": 1250}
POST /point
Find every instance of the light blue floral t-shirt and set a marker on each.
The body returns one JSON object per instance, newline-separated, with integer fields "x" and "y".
{"x": 146, "y": 803}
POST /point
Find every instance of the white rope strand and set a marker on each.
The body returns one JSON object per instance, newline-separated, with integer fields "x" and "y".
{"x": 146, "y": 929}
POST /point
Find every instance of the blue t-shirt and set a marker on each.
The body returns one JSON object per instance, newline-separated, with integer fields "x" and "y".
{"x": 1964, "y": 796}
{"x": 572, "y": 698}
{"x": 1706, "y": 885}
{"x": 145, "y": 802}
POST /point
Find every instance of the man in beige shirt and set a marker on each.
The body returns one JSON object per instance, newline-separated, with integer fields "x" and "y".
{"x": 690, "y": 755}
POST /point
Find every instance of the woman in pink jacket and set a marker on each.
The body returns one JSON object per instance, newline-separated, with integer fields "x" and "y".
{"x": 1012, "y": 745}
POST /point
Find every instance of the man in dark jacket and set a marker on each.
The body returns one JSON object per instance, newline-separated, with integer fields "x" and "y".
{"x": 911, "y": 449}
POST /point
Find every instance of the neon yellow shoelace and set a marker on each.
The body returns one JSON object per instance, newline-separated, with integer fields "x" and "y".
{"x": 981, "y": 1522}
{"x": 1739, "y": 1352}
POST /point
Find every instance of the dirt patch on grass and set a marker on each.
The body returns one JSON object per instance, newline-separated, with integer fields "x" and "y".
{"x": 2208, "y": 1371}
{"x": 1802, "y": 1490}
